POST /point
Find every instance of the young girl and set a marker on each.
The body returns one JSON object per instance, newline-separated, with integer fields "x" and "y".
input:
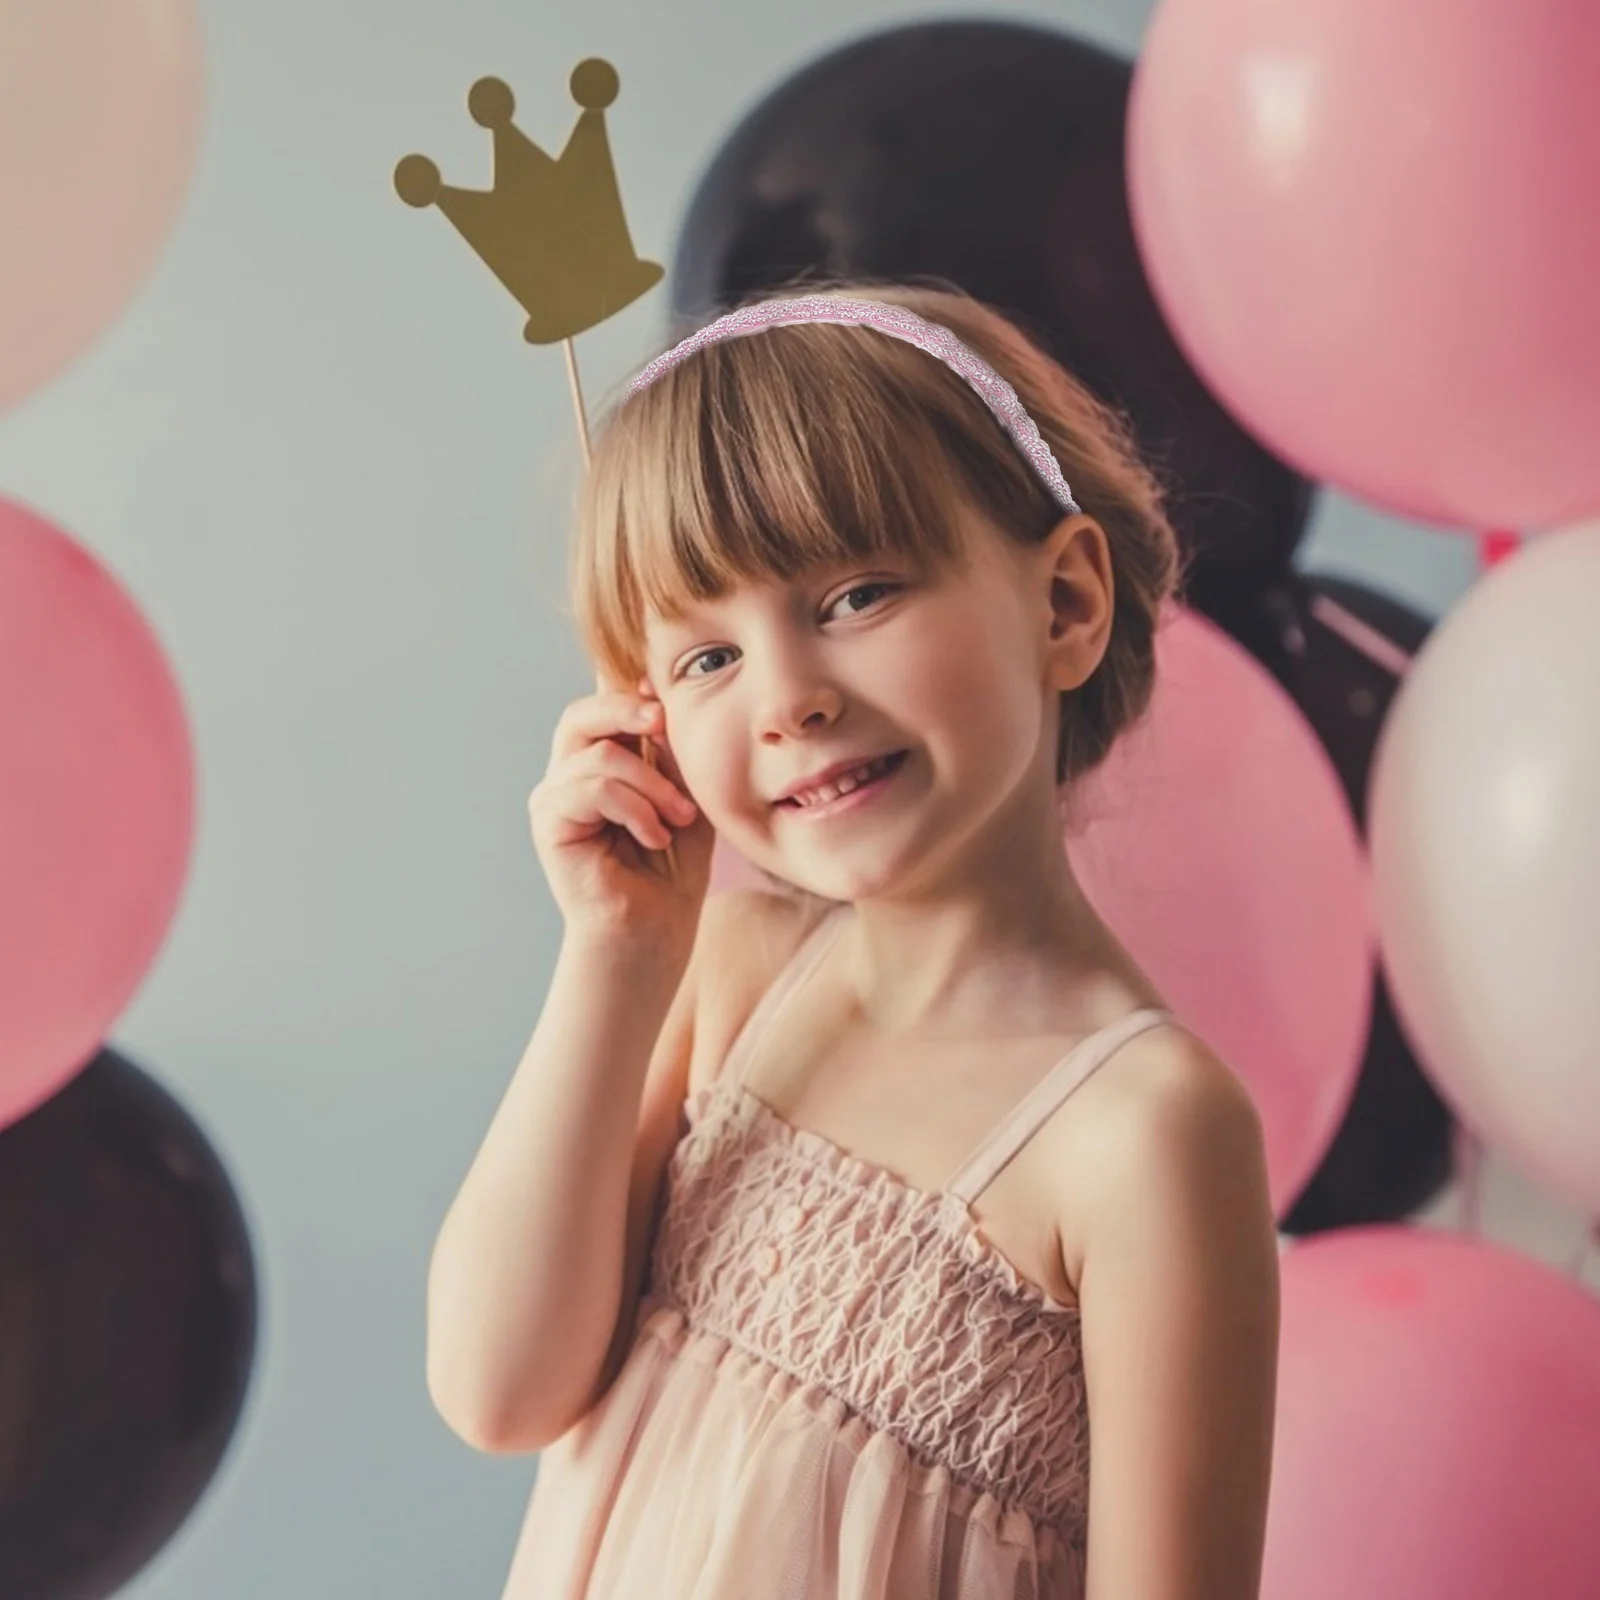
{"x": 822, "y": 1227}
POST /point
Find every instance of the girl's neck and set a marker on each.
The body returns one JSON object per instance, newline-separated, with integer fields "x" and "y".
{"x": 1011, "y": 946}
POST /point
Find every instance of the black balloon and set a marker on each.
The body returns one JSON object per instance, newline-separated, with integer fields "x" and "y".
{"x": 1339, "y": 648}
{"x": 1395, "y": 1148}
{"x": 990, "y": 155}
{"x": 127, "y": 1330}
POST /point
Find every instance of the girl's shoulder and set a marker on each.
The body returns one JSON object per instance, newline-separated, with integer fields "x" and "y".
{"x": 748, "y": 936}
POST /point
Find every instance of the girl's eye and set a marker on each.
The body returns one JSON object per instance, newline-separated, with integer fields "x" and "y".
{"x": 694, "y": 660}
{"x": 871, "y": 590}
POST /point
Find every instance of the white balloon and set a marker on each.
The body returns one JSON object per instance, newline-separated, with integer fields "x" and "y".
{"x": 1484, "y": 816}
{"x": 101, "y": 112}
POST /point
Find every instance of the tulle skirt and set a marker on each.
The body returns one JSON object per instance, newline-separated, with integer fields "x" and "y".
{"x": 707, "y": 1474}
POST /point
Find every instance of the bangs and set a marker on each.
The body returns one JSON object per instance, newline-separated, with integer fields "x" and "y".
{"x": 766, "y": 457}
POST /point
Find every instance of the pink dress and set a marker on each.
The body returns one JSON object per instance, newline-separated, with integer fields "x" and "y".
{"x": 837, "y": 1389}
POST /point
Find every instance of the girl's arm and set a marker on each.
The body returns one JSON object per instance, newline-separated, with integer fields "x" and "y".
{"x": 1179, "y": 1296}
{"x": 540, "y": 1257}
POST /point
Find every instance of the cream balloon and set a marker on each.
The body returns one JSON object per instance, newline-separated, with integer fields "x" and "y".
{"x": 1485, "y": 842}
{"x": 100, "y": 112}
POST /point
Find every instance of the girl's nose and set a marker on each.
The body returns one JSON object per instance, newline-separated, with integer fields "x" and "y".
{"x": 798, "y": 707}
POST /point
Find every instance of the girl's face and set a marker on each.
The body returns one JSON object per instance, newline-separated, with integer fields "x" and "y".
{"x": 949, "y": 674}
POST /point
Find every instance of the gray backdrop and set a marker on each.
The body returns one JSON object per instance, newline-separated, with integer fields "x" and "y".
{"x": 322, "y": 460}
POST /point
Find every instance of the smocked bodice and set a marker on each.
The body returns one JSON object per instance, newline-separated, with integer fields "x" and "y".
{"x": 844, "y": 1276}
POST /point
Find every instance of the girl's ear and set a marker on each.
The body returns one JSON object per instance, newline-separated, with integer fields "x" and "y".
{"x": 1075, "y": 564}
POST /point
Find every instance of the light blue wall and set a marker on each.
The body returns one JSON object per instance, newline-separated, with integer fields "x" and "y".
{"x": 318, "y": 453}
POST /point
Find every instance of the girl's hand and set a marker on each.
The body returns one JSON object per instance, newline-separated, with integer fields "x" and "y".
{"x": 601, "y": 820}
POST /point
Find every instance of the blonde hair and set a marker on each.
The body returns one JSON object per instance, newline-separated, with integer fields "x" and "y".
{"x": 804, "y": 445}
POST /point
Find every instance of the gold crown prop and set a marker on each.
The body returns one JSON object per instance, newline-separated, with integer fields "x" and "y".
{"x": 551, "y": 229}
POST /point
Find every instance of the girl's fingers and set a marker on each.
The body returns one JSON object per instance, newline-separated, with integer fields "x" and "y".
{"x": 581, "y": 807}
{"x": 602, "y": 716}
{"x": 622, "y": 804}
{"x": 595, "y": 779}
{"x": 610, "y": 757}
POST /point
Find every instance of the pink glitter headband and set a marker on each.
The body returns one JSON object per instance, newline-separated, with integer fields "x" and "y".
{"x": 898, "y": 323}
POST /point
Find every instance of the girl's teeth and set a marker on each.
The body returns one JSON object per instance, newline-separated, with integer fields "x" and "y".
{"x": 851, "y": 780}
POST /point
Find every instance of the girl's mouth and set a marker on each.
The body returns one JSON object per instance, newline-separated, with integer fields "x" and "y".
{"x": 851, "y": 790}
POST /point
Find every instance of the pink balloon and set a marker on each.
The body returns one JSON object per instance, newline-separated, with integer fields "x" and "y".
{"x": 1219, "y": 847}
{"x": 1438, "y": 1423}
{"x": 100, "y": 113}
{"x": 1376, "y": 231}
{"x": 96, "y": 806}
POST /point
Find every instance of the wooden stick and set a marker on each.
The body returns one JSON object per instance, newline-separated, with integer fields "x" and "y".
{"x": 577, "y": 398}
{"x": 646, "y": 747}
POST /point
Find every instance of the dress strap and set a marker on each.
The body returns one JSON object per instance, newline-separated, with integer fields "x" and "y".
{"x": 790, "y": 976}
{"x": 1034, "y": 1109}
